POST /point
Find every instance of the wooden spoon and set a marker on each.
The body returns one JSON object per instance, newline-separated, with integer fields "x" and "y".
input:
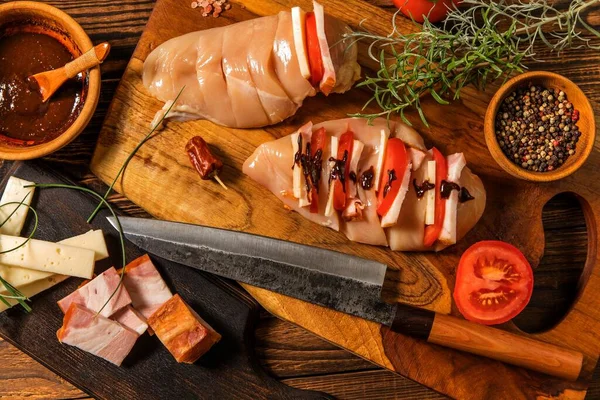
{"x": 49, "y": 81}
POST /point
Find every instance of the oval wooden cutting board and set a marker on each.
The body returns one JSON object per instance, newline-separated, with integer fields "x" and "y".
{"x": 161, "y": 180}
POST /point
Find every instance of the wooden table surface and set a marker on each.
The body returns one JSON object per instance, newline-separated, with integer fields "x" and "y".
{"x": 289, "y": 353}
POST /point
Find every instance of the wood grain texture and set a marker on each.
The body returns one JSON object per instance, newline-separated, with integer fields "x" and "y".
{"x": 317, "y": 363}
{"x": 150, "y": 371}
{"x": 425, "y": 279}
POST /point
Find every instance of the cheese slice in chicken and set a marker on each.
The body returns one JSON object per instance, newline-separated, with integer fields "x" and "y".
{"x": 329, "y": 210}
{"x": 299, "y": 28}
{"x": 430, "y": 194}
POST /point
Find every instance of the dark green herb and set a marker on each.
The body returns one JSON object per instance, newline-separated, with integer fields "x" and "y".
{"x": 478, "y": 43}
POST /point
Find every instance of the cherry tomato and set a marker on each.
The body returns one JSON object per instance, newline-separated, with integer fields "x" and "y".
{"x": 434, "y": 10}
{"x": 317, "y": 142}
{"x": 315, "y": 61}
{"x": 396, "y": 160}
{"x": 339, "y": 190}
{"x": 432, "y": 232}
{"x": 494, "y": 282}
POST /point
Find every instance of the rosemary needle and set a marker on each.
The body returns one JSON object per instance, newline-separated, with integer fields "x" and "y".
{"x": 479, "y": 42}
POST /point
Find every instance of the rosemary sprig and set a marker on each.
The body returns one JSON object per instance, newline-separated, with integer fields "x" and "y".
{"x": 132, "y": 154}
{"x": 479, "y": 42}
{"x": 103, "y": 201}
{"x": 15, "y": 294}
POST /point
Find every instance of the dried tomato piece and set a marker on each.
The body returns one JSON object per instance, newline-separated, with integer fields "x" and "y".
{"x": 207, "y": 165}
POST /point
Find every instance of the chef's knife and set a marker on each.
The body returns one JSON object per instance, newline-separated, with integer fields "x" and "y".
{"x": 339, "y": 281}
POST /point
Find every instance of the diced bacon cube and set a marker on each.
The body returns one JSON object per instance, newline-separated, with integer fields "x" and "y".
{"x": 95, "y": 294}
{"x": 96, "y": 334}
{"x": 146, "y": 287}
{"x": 132, "y": 319}
{"x": 183, "y": 332}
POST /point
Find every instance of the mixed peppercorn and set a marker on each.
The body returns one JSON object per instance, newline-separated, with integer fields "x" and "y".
{"x": 536, "y": 128}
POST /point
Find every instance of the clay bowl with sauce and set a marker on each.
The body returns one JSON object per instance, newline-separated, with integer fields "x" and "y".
{"x": 44, "y": 38}
{"x": 586, "y": 124}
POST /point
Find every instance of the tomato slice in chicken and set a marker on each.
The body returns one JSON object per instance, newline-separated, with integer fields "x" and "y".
{"x": 494, "y": 282}
{"x": 392, "y": 172}
{"x": 315, "y": 61}
{"x": 340, "y": 186}
{"x": 317, "y": 142}
{"x": 432, "y": 232}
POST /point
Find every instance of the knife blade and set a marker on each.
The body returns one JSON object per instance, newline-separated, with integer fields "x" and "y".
{"x": 331, "y": 279}
{"x": 338, "y": 281}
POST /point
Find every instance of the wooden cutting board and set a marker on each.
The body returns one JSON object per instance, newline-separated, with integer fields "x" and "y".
{"x": 161, "y": 180}
{"x": 149, "y": 372}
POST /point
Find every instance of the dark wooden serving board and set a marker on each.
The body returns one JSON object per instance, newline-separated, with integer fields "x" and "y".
{"x": 229, "y": 369}
{"x": 160, "y": 180}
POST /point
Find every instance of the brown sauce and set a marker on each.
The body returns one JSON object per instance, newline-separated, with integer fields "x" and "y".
{"x": 464, "y": 195}
{"x": 366, "y": 179}
{"x": 24, "y": 118}
{"x": 339, "y": 170}
{"x": 391, "y": 178}
{"x": 446, "y": 188}
{"x": 421, "y": 189}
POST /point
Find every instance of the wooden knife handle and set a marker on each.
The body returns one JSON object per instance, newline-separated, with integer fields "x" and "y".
{"x": 488, "y": 342}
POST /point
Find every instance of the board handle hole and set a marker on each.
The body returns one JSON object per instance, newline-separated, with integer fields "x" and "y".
{"x": 561, "y": 273}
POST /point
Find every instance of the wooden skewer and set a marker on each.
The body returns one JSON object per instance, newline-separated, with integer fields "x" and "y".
{"x": 220, "y": 181}
{"x": 49, "y": 81}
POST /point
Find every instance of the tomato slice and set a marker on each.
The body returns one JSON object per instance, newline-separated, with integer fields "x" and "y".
{"x": 494, "y": 282}
{"x": 432, "y": 232}
{"x": 317, "y": 142}
{"x": 394, "y": 167}
{"x": 340, "y": 189}
{"x": 315, "y": 61}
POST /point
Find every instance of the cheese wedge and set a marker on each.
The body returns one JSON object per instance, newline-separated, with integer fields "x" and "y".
{"x": 92, "y": 240}
{"x": 47, "y": 257}
{"x": 380, "y": 157}
{"x": 299, "y": 30}
{"x": 15, "y": 192}
{"x": 329, "y": 210}
{"x": 430, "y": 194}
{"x": 34, "y": 288}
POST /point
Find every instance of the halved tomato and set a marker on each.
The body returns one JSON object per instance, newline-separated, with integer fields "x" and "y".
{"x": 315, "y": 61}
{"x": 394, "y": 167}
{"x": 494, "y": 282}
{"x": 340, "y": 189}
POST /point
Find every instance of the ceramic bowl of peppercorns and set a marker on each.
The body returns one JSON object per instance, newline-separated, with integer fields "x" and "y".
{"x": 540, "y": 127}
